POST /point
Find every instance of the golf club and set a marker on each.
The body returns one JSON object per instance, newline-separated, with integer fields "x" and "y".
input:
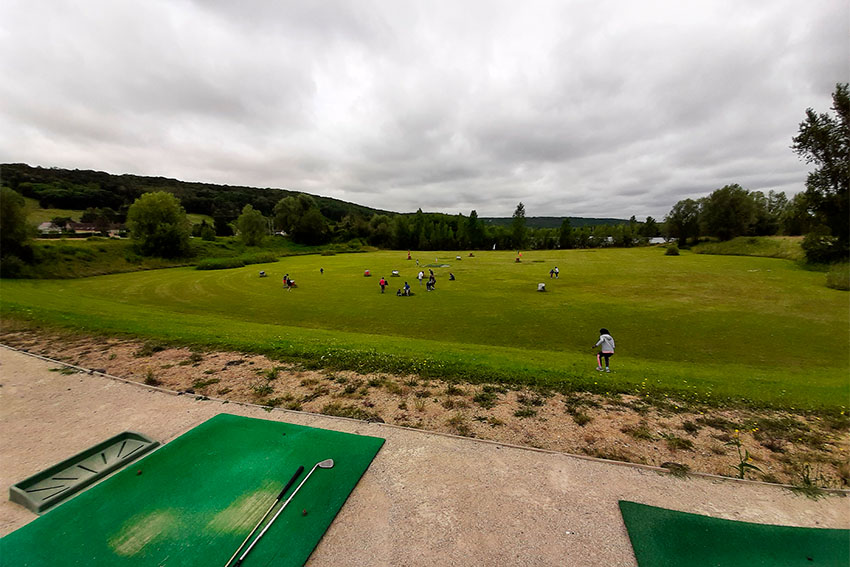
{"x": 278, "y": 499}
{"x": 326, "y": 464}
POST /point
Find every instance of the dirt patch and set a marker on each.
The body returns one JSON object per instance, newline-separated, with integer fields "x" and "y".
{"x": 782, "y": 447}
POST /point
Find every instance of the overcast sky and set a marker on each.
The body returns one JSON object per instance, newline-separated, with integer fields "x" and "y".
{"x": 576, "y": 108}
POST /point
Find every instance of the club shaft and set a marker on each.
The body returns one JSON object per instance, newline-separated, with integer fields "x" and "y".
{"x": 291, "y": 496}
{"x": 279, "y": 496}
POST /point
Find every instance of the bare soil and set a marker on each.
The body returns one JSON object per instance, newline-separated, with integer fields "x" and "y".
{"x": 807, "y": 451}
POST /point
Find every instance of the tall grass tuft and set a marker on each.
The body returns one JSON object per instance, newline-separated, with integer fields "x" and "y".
{"x": 838, "y": 276}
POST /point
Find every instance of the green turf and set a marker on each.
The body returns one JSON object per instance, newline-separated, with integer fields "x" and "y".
{"x": 662, "y": 538}
{"x": 198, "y": 497}
{"x": 758, "y": 329}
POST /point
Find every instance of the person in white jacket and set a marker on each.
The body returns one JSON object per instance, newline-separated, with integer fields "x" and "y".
{"x": 606, "y": 342}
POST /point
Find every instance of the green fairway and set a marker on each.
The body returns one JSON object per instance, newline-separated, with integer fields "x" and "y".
{"x": 758, "y": 329}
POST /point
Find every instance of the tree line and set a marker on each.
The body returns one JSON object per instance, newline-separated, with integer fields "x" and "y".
{"x": 821, "y": 212}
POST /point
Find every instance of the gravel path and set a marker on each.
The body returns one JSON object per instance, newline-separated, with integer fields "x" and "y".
{"x": 427, "y": 499}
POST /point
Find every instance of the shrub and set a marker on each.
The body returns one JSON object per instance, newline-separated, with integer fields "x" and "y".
{"x": 672, "y": 250}
{"x": 838, "y": 276}
{"x": 262, "y": 258}
{"x": 220, "y": 263}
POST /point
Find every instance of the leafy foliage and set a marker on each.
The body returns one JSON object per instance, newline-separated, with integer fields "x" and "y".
{"x": 824, "y": 141}
{"x": 159, "y": 226}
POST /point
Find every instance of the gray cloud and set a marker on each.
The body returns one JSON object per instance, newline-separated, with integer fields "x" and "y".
{"x": 601, "y": 108}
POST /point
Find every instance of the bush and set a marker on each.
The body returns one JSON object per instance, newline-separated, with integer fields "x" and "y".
{"x": 672, "y": 250}
{"x": 820, "y": 246}
{"x": 838, "y": 276}
{"x": 220, "y": 263}
{"x": 263, "y": 258}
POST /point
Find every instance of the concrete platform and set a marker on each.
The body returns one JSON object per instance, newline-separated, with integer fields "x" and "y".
{"x": 427, "y": 499}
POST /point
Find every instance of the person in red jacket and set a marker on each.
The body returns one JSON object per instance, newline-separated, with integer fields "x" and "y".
{"x": 383, "y": 284}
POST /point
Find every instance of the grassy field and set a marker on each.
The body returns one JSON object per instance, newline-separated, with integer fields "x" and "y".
{"x": 759, "y": 330}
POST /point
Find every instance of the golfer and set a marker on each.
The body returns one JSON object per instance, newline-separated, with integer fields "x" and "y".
{"x": 606, "y": 342}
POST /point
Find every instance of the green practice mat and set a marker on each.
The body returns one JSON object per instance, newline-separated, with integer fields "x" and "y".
{"x": 198, "y": 497}
{"x": 663, "y": 538}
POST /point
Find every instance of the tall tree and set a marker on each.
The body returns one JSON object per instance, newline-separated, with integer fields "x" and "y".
{"x": 13, "y": 221}
{"x": 475, "y": 231}
{"x": 252, "y": 226}
{"x": 519, "y": 231}
{"x": 683, "y": 221}
{"x": 824, "y": 141}
{"x": 728, "y": 212}
{"x": 565, "y": 235}
{"x": 159, "y": 226}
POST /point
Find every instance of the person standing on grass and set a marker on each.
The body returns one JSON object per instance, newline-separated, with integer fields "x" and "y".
{"x": 606, "y": 342}
{"x": 382, "y": 283}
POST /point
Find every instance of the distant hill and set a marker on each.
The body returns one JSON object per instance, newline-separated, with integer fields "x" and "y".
{"x": 553, "y": 222}
{"x": 80, "y": 189}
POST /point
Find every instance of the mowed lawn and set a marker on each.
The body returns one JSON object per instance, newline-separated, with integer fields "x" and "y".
{"x": 757, "y": 329}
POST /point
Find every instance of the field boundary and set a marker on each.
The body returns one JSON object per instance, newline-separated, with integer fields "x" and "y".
{"x": 638, "y": 466}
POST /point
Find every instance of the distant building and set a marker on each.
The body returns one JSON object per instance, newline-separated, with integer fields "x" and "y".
{"x": 49, "y": 228}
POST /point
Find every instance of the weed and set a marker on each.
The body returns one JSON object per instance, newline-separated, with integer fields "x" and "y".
{"x": 65, "y": 370}
{"x": 209, "y": 371}
{"x": 494, "y": 421}
{"x": 774, "y": 445}
{"x": 419, "y": 404}
{"x": 719, "y": 423}
{"x": 448, "y": 403}
{"x": 640, "y": 431}
{"x": 690, "y": 427}
{"x": 198, "y": 384}
{"x": 675, "y": 443}
{"x": 352, "y": 387}
{"x": 274, "y": 402}
{"x": 149, "y": 349}
{"x": 402, "y": 405}
{"x": 395, "y": 389}
{"x": 744, "y": 463}
{"x": 488, "y": 395}
{"x": 678, "y": 470}
{"x": 271, "y": 373}
{"x": 530, "y": 400}
{"x": 581, "y": 419}
{"x": 423, "y": 394}
{"x": 113, "y": 356}
{"x": 195, "y": 357}
{"x": 293, "y": 405}
{"x": 525, "y": 412}
{"x": 151, "y": 379}
{"x": 459, "y": 424}
{"x": 412, "y": 383}
{"x": 375, "y": 383}
{"x": 307, "y": 382}
{"x": 262, "y": 389}
{"x": 352, "y": 412}
{"x": 454, "y": 390}
{"x": 223, "y": 391}
{"x": 808, "y": 486}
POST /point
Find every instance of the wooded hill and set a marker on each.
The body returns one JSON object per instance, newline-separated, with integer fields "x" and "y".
{"x": 82, "y": 189}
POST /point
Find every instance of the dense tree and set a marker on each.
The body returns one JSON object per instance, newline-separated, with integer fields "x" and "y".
{"x": 519, "y": 231}
{"x": 158, "y": 225}
{"x": 312, "y": 228}
{"x": 824, "y": 141}
{"x": 796, "y": 218}
{"x": 649, "y": 229}
{"x": 475, "y": 231}
{"x": 289, "y": 210}
{"x": 14, "y": 231}
{"x": 728, "y": 212}
{"x": 565, "y": 235}
{"x": 252, "y": 226}
{"x": 682, "y": 221}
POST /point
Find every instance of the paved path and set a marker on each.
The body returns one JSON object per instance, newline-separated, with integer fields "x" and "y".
{"x": 427, "y": 499}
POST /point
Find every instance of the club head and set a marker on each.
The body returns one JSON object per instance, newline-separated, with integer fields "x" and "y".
{"x": 326, "y": 464}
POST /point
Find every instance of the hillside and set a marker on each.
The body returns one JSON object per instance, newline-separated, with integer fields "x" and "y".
{"x": 80, "y": 189}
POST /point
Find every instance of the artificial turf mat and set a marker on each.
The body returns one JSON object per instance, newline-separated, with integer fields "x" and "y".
{"x": 198, "y": 497}
{"x": 663, "y": 538}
